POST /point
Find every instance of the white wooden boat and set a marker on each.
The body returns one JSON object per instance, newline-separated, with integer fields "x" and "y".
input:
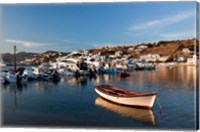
{"x": 126, "y": 97}
{"x": 142, "y": 115}
{"x": 3, "y": 77}
{"x": 65, "y": 72}
{"x": 10, "y": 78}
{"x": 30, "y": 73}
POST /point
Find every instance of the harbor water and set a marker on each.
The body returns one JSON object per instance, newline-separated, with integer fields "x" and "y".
{"x": 73, "y": 103}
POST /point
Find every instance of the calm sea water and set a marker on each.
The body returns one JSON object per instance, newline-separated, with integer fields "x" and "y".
{"x": 74, "y": 103}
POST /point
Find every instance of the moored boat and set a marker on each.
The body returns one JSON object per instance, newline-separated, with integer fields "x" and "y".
{"x": 3, "y": 77}
{"x": 66, "y": 72}
{"x": 10, "y": 78}
{"x": 150, "y": 67}
{"x": 112, "y": 70}
{"x": 126, "y": 97}
{"x": 123, "y": 74}
{"x": 30, "y": 74}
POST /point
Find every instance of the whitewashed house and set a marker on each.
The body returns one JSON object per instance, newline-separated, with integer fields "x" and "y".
{"x": 130, "y": 49}
{"x": 163, "y": 58}
{"x": 118, "y": 53}
{"x": 181, "y": 59}
{"x": 85, "y": 52}
{"x": 186, "y": 51}
{"x": 193, "y": 60}
{"x": 141, "y": 48}
{"x": 150, "y": 58}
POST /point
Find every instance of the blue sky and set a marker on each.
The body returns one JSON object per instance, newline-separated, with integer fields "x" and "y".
{"x": 68, "y": 27}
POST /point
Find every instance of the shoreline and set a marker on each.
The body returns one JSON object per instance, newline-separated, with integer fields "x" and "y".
{"x": 175, "y": 64}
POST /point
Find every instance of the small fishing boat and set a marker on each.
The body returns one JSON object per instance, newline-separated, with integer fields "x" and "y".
{"x": 126, "y": 97}
{"x": 123, "y": 74}
{"x": 112, "y": 70}
{"x": 29, "y": 73}
{"x": 150, "y": 67}
{"x": 10, "y": 78}
{"x": 66, "y": 72}
{"x": 3, "y": 77}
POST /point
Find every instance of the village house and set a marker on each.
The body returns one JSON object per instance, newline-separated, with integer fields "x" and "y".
{"x": 181, "y": 59}
{"x": 153, "y": 58}
{"x": 163, "y": 58}
{"x": 150, "y": 58}
{"x": 118, "y": 53}
{"x": 193, "y": 60}
{"x": 130, "y": 49}
{"x": 85, "y": 52}
{"x": 186, "y": 51}
{"x": 141, "y": 48}
{"x": 26, "y": 62}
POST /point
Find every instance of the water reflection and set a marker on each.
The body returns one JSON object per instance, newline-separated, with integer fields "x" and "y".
{"x": 14, "y": 90}
{"x": 142, "y": 115}
{"x": 42, "y": 86}
{"x": 80, "y": 81}
{"x": 185, "y": 77}
{"x": 14, "y": 87}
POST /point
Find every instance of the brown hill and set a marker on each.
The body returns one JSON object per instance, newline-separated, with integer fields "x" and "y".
{"x": 175, "y": 48}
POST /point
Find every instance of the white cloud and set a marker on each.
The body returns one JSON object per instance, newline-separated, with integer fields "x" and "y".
{"x": 176, "y": 35}
{"x": 99, "y": 45}
{"x": 168, "y": 20}
{"x": 27, "y": 44}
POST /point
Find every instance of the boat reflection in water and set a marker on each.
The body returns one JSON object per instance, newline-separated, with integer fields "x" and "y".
{"x": 142, "y": 115}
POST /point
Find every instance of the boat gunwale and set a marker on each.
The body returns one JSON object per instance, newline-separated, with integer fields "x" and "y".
{"x": 128, "y": 96}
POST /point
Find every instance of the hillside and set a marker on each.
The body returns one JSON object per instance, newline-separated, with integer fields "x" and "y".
{"x": 172, "y": 49}
{"x": 8, "y": 58}
{"x": 35, "y": 58}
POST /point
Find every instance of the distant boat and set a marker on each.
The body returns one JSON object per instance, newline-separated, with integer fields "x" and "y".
{"x": 112, "y": 71}
{"x": 126, "y": 97}
{"x": 140, "y": 66}
{"x": 3, "y": 77}
{"x": 65, "y": 72}
{"x": 2, "y": 64}
{"x": 10, "y": 78}
{"x": 149, "y": 67}
{"x": 30, "y": 73}
{"x": 142, "y": 115}
{"x": 123, "y": 74}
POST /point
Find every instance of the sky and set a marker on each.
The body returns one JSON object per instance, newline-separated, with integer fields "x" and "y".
{"x": 69, "y": 27}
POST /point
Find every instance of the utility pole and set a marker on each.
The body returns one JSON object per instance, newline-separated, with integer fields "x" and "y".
{"x": 15, "y": 65}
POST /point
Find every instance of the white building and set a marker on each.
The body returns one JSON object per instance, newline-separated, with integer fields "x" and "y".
{"x": 186, "y": 51}
{"x": 193, "y": 60}
{"x": 153, "y": 58}
{"x": 141, "y": 48}
{"x": 181, "y": 59}
{"x": 150, "y": 58}
{"x": 163, "y": 58}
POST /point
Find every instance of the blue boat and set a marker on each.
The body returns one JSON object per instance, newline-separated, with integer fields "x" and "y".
{"x": 112, "y": 71}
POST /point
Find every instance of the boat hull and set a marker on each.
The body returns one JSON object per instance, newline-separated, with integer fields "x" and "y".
{"x": 10, "y": 78}
{"x": 139, "y": 101}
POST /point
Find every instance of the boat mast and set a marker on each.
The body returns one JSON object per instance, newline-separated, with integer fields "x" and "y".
{"x": 15, "y": 65}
